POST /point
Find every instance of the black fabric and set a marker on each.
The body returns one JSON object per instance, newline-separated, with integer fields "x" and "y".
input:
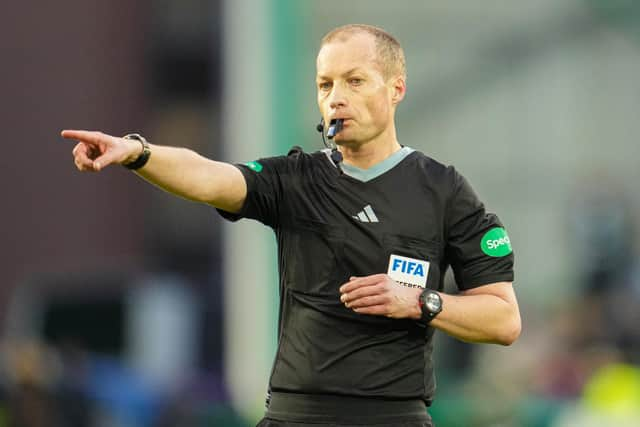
{"x": 266, "y": 422}
{"x": 424, "y": 210}
{"x": 466, "y": 223}
{"x": 322, "y": 408}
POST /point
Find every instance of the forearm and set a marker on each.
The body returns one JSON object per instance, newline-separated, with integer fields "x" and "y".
{"x": 177, "y": 170}
{"x": 488, "y": 313}
{"x": 187, "y": 174}
{"x": 482, "y": 318}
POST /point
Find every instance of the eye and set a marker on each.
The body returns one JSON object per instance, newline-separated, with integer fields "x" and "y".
{"x": 324, "y": 86}
{"x": 356, "y": 81}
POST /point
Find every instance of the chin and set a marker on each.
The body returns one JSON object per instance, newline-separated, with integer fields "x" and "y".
{"x": 342, "y": 139}
{"x": 343, "y": 142}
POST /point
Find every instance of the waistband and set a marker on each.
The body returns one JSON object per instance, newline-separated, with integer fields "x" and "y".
{"x": 297, "y": 407}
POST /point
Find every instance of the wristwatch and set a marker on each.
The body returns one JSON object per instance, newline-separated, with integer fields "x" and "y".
{"x": 430, "y": 304}
{"x": 143, "y": 158}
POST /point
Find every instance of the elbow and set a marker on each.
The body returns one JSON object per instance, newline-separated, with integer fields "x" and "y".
{"x": 511, "y": 331}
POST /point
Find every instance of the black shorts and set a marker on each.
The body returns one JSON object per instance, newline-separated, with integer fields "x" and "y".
{"x": 266, "y": 422}
{"x": 330, "y": 411}
{"x": 298, "y": 409}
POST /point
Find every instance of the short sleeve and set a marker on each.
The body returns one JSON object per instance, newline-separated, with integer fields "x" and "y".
{"x": 266, "y": 180}
{"x": 478, "y": 247}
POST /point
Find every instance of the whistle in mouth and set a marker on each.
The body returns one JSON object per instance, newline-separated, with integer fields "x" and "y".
{"x": 335, "y": 126}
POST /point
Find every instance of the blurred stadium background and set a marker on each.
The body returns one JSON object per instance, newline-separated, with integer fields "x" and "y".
{"x": 123, "y": 306}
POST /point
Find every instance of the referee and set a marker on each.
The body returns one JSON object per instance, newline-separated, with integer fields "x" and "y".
{"x": 365, "y": 233}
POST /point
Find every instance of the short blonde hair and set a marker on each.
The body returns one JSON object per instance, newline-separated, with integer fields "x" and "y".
{"x": 390, "y": 53}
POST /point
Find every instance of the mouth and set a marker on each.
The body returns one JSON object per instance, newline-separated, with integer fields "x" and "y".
{"x": 345, "y": 122}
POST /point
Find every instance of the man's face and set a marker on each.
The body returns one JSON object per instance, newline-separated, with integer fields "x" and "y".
{"x": 351, "y": 86}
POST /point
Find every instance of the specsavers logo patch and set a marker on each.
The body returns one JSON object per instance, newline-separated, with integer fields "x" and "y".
{"x": 496, "y": 243}
{"x": 254, "y": 166}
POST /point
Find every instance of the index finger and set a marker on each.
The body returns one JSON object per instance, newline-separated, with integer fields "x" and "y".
{"x": 90, "y": 137}
{"x": 358, "y": 282}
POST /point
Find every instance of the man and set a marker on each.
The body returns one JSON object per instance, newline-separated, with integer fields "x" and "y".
{"x": 363, "y": 244}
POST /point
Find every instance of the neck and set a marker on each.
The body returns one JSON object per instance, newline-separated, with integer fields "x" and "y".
{"x": 363, "y": 155}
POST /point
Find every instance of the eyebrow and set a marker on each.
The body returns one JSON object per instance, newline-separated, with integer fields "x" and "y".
{"x": 346, "y": 73}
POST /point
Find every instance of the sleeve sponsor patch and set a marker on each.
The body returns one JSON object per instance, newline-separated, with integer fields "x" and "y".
{"x": 254, "y": 166}
{"x": 496, "y": 243}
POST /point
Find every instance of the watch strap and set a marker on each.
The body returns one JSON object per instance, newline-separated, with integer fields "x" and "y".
{"x": 143, "y": 158}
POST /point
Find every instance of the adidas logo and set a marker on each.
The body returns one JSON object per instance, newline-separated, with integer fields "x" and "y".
{"x": 366, "y": 215}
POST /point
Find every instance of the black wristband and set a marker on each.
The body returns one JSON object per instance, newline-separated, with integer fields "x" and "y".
{"x": 143, "y": 158}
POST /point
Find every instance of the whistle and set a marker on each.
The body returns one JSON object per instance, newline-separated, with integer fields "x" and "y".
{"x": 335, "y": 126}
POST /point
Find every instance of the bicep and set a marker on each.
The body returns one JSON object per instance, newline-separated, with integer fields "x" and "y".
{"x": 228, "y": 186}
{"x": 253, "y": 190}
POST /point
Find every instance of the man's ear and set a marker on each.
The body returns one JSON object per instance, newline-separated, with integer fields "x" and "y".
{"x": 399, "y": 89}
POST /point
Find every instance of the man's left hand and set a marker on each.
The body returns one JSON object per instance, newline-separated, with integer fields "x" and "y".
{"x": 380, "y": 295}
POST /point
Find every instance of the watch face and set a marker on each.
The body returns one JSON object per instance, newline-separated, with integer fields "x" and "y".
{"x": 433, "y": 302}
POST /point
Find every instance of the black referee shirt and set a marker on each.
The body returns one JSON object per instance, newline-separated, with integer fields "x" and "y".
{"x": 332, "y": 225}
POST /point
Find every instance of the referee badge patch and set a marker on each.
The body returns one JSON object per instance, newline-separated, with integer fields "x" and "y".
{"x": 408, "y": 271}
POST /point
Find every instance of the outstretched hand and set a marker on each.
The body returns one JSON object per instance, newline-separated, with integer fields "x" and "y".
{"x": 96, "y": 150}
{"x": 380, "y": 295}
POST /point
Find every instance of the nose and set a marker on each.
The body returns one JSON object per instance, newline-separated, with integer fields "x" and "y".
{"x": 337, "y": 98}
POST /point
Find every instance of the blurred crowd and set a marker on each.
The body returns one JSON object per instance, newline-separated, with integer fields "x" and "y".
{"x": 47, "y": 386}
